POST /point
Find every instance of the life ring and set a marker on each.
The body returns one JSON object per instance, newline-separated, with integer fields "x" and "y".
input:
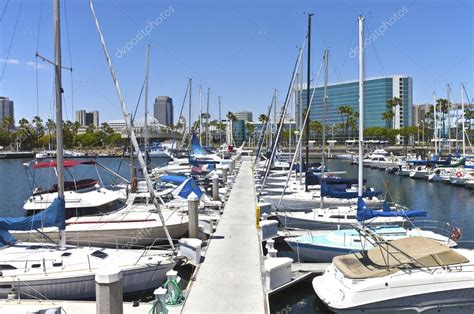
{"x": 456, "y": 234}
{"x": 458, "y": 174}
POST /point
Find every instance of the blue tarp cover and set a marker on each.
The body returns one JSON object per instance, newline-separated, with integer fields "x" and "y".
{"x": 53, "y": 216}
{"x": 173, "y": 179}
{"x": 331, "y": 191}
{"x": 189, "y": 187}
{"x": 364, "y": 213}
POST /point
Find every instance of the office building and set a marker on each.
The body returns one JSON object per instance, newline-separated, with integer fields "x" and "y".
{"x": 6, "y": 108}
{"x": 419, "y": 113}
{"x": 377, "y": 91}
{"x": 163, "y": 110}
{"x": 244, "y": 115}
{"x": 87, "y": 118}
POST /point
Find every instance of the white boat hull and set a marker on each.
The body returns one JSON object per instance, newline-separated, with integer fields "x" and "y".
{"x": 83, "y": 287}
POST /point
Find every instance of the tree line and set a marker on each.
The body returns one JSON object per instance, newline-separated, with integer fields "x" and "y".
{"x": 39, "y": 134}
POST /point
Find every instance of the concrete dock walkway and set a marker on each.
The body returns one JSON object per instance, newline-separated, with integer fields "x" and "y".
{"x": 230, "y": 279}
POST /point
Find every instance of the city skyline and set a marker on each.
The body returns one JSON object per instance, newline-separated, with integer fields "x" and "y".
{"x": 241, "y": 61}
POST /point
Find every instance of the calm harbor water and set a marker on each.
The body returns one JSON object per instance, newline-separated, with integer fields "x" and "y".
{"x": 443, "y": 202}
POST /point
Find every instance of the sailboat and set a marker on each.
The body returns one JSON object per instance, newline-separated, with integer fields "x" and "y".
{"x": 45, "y": 270}
{"x": 407, "y": 274}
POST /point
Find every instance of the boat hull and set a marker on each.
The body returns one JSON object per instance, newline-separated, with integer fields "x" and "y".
{"x": 134, "y": 280}
{"x": 316, "y": 254}
{"x": 111, "y": 238}
{"x": 453, "y": 301}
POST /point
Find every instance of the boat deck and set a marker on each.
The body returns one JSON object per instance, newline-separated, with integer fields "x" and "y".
{"x": 230, "y": 279}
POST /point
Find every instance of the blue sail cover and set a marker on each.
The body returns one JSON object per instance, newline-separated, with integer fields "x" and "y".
{"x": 337, "y": 192}
{"x": 364, "y": 213}
{"x": 312, "y": 178}
{"x": 173, "y": 179}
{"x": 189, "y": 187}
{"x": 53, "y": 216}
{"x": 196, "y": 148}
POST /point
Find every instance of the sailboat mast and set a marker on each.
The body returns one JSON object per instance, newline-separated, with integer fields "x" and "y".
{"x": 220, "y": 123}
{"x": 200, "y": 114}
{"x": 325, "y": 97}
{"x": 189, "y": 109}
{"x": 361, "y": 106}
{"x": 435, "y": 125}
{"x": 462, "y": 122}
{"x": 308, "y": 83}
{"x": 59, "y": 114}
{"x": 301, "y": 115}
{"x": 449, "y": 117}
{"x": 207, "y": 117}
{"x": 145, "y": 126}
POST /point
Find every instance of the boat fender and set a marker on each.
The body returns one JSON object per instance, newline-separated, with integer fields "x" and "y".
{"x": 456, "y": 234}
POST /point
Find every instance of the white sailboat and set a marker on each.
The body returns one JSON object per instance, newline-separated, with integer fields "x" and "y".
{"x": 43, "y": 270}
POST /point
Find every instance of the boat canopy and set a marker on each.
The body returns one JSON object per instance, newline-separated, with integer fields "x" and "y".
{"x": 53, "y": 216}
{"x": 67, "y": 163}
{"x": 410, "y": 253}
{"x": 364, "y": 213}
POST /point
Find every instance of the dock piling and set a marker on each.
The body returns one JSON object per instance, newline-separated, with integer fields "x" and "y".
{"x": 109, "y": 291}
{"x": 193, "y": 222}
{"x": 215, "y": 187}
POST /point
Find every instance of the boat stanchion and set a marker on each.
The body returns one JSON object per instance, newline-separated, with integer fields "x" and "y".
{"x": 193, "y": 221}
{"x": 109, "y": 291}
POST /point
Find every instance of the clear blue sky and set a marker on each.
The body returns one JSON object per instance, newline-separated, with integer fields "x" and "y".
{"x": 240, "y": 49}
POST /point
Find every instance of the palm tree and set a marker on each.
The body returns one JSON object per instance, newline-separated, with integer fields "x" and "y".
{"x": 8, "y": 123}
{"x": 263, "y": 118}
{"x": 443, "y": 105}
{"x": 231, "y": 116}
{"x": 24, "y": 123}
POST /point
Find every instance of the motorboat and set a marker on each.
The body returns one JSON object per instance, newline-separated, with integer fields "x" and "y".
{"x": 83, "y": 197}
{"x": 412, "y": 274}
{"x": 323, "y": 247}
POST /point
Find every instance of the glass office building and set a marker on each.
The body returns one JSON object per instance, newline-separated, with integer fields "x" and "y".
{"x": 376, "y": 91}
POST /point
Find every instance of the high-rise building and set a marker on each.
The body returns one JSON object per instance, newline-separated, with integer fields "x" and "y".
{"x": 377, "y": 91}
{"x": 244, "y": 115}
{"x": 419, "y": 113}
{"x": 163, "y": 110}
{"x": 87, "y": 118}
{"x": 6, "y": 108}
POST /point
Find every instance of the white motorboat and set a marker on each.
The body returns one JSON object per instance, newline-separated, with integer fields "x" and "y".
{"x": 83, "y": 197}
{"x": 414, "y": 274}
{"x": 440, "y": 175}
{"x": 419, "y": 172}
{"x": 323, "y": 247}
{"x": 461, "y": 176}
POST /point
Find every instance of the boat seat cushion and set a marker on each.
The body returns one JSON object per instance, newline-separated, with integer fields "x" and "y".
{"x": 406, "y": 253}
